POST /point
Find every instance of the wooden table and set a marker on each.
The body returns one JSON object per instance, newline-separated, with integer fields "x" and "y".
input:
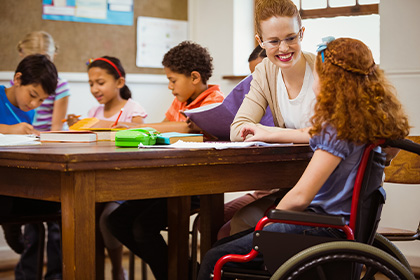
{"x": 83, "y": 175}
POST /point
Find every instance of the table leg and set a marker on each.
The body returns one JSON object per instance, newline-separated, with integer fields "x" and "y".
{"x": 78, "y": 222}
{"x": 211, "y": 219}
{"x": 178, "y": 234}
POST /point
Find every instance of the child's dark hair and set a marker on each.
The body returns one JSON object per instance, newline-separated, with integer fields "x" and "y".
{"x": 188, "y": 57}
{"x": 37, "y": 69}
{"x": 117, "y": 72}
{"x": 256, "y": 53}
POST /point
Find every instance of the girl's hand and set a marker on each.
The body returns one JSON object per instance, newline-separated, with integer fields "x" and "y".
{"x": 258, "y": 133}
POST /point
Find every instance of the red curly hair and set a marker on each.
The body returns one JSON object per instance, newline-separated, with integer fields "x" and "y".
{"x": 355, "y": 97}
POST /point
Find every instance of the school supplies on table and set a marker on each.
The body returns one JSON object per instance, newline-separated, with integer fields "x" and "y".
{"x": 119, "y": 115}
{"x": 135, "y": 136}
{"x": 68, "y": 136}
{"x": 172, "y": 137}
{"x": 105, "y": 134}
{"x": 84, "y": 124}
{"x": 214, "y": 119}
{"x": 74, "y": 116}
{"x": 18, "y": 140}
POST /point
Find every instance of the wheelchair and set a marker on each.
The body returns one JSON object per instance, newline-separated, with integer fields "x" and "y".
{"x": 362, "y": 254}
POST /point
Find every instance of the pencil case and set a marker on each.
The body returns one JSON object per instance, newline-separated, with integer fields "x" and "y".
{"x": 133, "y": 137}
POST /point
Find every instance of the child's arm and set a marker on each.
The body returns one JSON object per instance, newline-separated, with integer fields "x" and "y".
{"x": 59, "y": 113}
{"x": 316, "y": 174}
{"x": 252, "y": 132}
{"x": 137, "y": 119}
{"x": 20, "y": 128}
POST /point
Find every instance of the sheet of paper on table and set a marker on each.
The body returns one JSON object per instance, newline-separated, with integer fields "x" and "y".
{"x": 18, "y": 140}
{"x": 214, "y": 145}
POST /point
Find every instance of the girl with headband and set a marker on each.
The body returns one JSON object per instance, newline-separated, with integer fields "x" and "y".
{"x": 107, "y": 85}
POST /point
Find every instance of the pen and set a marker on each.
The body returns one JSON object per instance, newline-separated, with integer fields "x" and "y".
{"x": 13, "y": 113}
{"x": 76, "y": 117}
{"x": 119, "y": 115}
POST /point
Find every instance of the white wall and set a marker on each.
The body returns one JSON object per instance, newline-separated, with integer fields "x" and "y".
{"x": 400, "y": 59}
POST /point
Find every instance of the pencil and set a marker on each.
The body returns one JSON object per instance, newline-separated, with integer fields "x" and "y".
{"x": 119, "y": 115}
{"x": 76, "y": 117}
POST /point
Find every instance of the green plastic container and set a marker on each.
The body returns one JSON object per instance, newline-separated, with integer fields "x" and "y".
{"x": 133, "y": 137}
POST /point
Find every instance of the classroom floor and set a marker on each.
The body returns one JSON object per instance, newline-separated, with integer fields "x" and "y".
{"x": 9, "y": 274}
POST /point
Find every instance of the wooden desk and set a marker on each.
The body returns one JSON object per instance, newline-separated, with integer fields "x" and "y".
{"x": 82, "y": 175}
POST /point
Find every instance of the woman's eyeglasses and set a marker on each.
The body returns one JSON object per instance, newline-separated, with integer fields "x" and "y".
{"x": 291, "y": 40}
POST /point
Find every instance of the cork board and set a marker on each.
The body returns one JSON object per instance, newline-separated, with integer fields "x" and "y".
{"x": 80, "y": 41}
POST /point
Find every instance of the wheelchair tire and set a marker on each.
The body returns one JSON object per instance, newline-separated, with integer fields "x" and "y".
{"x": 384, "y": 244}
{"x": 342, "y": 251}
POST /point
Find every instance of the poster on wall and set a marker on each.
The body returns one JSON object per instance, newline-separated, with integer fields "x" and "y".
{"x": 118, "y": 12}
{"x": 155, "y": 36}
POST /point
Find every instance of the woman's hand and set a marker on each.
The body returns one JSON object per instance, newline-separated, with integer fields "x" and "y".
{"x": 251, "y": 132}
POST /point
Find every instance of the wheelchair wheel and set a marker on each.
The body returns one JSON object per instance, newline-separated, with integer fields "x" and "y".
{"x": 384, "y": 244}
{"x": 341, "y": 260}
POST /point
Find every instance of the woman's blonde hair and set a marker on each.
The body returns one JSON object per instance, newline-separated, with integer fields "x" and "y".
{"x": 38, "y": 42}
{"x": 355, "y": 96}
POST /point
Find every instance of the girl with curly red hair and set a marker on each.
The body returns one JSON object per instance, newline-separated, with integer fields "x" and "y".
{"x": 356, "y": 106}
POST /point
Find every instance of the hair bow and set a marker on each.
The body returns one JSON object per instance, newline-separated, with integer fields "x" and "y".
{"x": 323, "y": 45}
{"x": 90, "y": 61}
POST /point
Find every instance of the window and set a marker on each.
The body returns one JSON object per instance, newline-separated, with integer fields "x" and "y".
{"x": 357, "y": 19}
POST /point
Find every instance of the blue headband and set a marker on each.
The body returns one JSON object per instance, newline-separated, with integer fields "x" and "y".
{"x": 323, "y": 45}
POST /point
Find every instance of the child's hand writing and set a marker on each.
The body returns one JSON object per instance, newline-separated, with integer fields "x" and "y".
{"x": 22, "y": 128}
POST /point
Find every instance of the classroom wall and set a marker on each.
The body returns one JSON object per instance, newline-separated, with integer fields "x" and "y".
{"x": 400, "y": 59}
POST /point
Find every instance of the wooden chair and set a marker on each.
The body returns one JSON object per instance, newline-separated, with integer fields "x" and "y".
{"x": 404, "y": 169}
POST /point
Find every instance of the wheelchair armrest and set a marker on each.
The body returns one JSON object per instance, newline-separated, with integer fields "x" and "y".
{"x": 306, "y": 217}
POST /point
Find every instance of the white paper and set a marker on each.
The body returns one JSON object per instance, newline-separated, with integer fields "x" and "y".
{"x": 57, "y": 10}
{"x": 91, "y": 8}
{"x": 155, "y": 36}
{"x": 18, "y": 140}
{"x": 214, "y": 145}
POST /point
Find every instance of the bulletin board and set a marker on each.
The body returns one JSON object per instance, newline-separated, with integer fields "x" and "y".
{"x": 79, "y": 41}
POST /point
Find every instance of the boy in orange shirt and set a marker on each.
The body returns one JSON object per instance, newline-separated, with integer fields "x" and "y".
{"x": 137, "y": 223}
{"x": 188, "y": 67}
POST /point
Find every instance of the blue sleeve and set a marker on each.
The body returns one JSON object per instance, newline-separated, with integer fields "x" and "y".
{"x": 327, "y": 141}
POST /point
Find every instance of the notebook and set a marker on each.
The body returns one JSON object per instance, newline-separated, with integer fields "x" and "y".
{"x": 172, "y": 137}
{"x": 68, "y": 136}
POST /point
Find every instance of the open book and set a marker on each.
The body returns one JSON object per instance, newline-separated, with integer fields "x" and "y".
{"x": 215, "y": 119}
